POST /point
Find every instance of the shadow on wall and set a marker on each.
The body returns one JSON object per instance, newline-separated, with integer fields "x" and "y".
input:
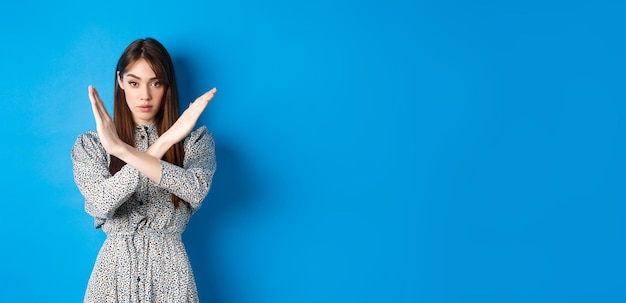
{"x": 231, "y": 189}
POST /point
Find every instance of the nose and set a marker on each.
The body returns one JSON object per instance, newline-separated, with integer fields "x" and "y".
{"x": 145, "y": 94}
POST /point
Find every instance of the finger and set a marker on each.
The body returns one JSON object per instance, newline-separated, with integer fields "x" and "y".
{"x": 102, "y": 110}
{"x": 98, "y": 100}
{"x": 196, "y": 108}
{"x": 207, "y": 95}
{"x": 94, "y": 104}
{"x": 99, "y": 106}
{"x": 205, "y": 99}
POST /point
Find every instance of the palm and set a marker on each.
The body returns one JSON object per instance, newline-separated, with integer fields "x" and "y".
{"x": 190, "y": 116}
{"x": 104, "y": 123}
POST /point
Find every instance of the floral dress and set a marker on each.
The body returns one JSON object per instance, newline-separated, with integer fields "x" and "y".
{"x": 143, "y": 258}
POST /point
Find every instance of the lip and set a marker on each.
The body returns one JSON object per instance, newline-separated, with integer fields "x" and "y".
{"x": 145, "y": 108}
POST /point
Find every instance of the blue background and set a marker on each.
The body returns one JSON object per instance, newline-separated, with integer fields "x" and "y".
{"x": 368, "y": 151}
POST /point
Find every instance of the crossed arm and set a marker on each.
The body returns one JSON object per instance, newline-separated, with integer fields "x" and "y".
{"x": 148, "y": 163}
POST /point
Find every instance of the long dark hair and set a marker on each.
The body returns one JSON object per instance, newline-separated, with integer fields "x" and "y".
{"x": 161, "y": 63}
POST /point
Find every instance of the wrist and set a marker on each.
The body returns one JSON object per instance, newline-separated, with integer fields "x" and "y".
{"x": 160, "y": 146}
{"x": 166, "y": 139}
{"x": 121, "y": 151}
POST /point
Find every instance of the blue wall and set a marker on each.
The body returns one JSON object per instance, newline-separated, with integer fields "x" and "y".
{"x": 388, "y": 151}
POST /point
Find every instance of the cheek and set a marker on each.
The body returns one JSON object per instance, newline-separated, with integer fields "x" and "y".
{"x": 129, "y": 94}
{"x": 159, "y": 95}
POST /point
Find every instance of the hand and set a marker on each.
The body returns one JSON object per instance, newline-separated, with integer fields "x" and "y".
{"x": 104, "y": 124}
{"x": 188, "y": 119}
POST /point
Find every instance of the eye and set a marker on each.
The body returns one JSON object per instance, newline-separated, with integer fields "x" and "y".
{"x": 132, "y": 83}
{"x": 156, "y": 84}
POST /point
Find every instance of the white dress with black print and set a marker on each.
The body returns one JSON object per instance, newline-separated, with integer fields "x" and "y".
{"x": 143, "y": 258}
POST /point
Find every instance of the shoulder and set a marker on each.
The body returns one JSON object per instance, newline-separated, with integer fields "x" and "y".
{"x": 199, "y": 136}
{"x": 88, "y": 143}
{"x": 87, "y": 138}
{"x": 88, "y": 135}
{"x": 200, "y": 141}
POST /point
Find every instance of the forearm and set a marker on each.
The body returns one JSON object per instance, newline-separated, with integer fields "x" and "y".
{"x": 103, "y": 192}
{"x": 160, "y": 147}
{"x": 192, "y": 181}
{"x": 104, "y": 195}
{"x": 191, "y": 185}
{"x": 145, "y": 163}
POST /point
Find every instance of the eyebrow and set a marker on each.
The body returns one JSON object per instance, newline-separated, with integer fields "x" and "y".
{"x": 131, "y": 75}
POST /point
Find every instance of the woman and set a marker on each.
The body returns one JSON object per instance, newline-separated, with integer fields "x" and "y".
{"x": 142, "y": 175}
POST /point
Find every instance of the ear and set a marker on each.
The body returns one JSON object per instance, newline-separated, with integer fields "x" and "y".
{"x": 119, "y": 80}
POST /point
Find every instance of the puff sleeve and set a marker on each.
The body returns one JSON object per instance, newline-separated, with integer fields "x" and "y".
{"x": 103, "y": 192}
{"x": 192, "y": 181}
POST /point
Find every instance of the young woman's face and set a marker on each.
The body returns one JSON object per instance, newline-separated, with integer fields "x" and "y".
{"x": 143, "y": 91}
